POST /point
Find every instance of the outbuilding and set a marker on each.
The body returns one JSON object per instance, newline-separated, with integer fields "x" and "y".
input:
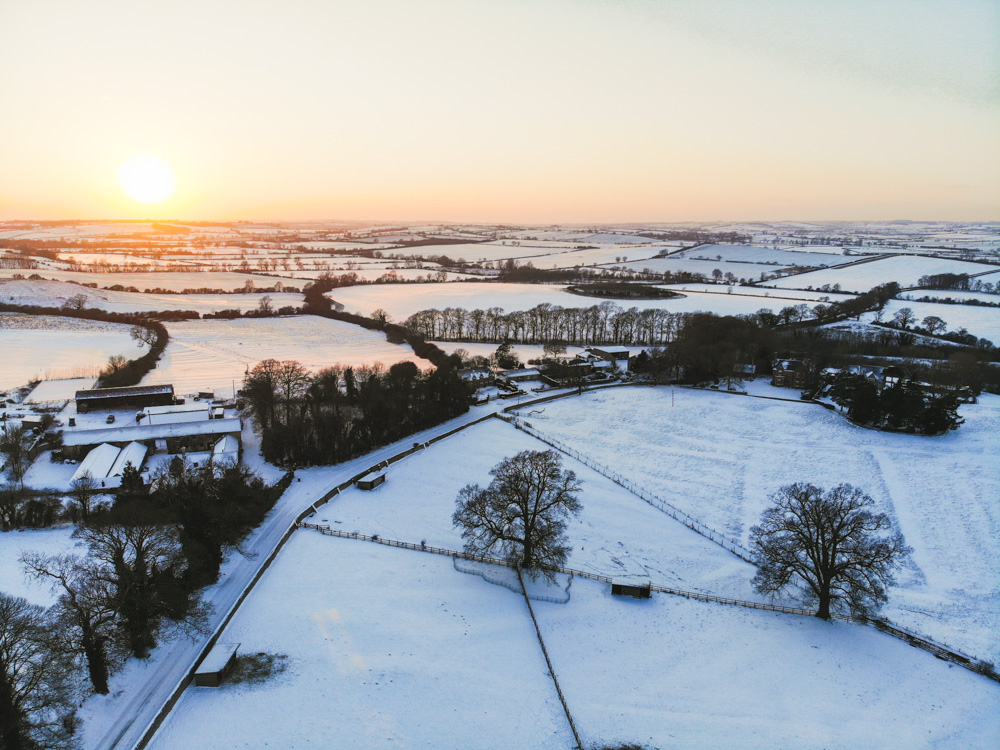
{"x": 214, "y": 667}
{"x": 97, "y": 399}
{"x": 371, "y": 481}
{"x": 638, "y": 588}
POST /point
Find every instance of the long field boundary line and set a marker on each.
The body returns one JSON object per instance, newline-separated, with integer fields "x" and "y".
{"x": 941, "y": 651}
{"x": 154, "y": 725}
{"x": 662, "y": 505}
{"x": 548, "y": 661}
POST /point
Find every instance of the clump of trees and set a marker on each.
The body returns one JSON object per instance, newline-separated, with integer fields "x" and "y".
{"x": 522, "y": 514}
{"x": 899, "y": 408}
{"x": 832, "y": 543}
{"x": 342, "y": 412}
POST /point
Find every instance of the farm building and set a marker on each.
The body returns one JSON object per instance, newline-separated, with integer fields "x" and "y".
{"x": 97, "y": 463}
{"x": 163, "y": 438}
{"x": 792, "y": 373}
{"x": 226, "y": 451}
{"x": 519, "y": 376}
{"x": 478, "y": 376}
{"x": 195, "y": 412}
{"x": 214, "y": 667}
{"x": 637, "y": 588}
{"x": 371, "y": 481}
{"x": 121, "y": 398}
{"x": 106, "y": 463}
{"x": 611, "y": 355}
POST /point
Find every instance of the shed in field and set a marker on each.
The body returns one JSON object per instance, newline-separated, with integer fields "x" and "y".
{"x": 638, "y": 588}
{"x": 371, "y": 481}
{"x": 214, "y": 667}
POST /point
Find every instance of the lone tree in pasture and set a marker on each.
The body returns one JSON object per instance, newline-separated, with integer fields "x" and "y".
{"x": 36, "y": 706}
{"x": 522, "y": 514}
{"x": 904, "y": 316}
{"x": 831, "y": 542}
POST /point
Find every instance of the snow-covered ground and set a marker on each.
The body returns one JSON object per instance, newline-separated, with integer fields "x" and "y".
{"x": 403, "y": 300}
{"x": 416, "y": 654}
{"x": 171, "y": 280}
{"x": 797, "y": 295}
{"x": 49, "y": 391}
{"x": 386, "y": 648}
{"x": 55, "y": 293}
{"x": 13, "y": 544}
{"x": 719, "y": 456}
{"x": 42, "y": 346}
{"x": 805, "y": 256}
{"x": 671, "y": 672}
{"x": 617, "y": 533}
{"x": 212, "y": 354}
{"x": 906, "y": 270}
{"x": 984, "y": 322}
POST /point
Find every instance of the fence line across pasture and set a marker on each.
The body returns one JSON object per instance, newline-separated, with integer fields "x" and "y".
{"x": 941, "y": 651}
{"x": 657, "y": 502}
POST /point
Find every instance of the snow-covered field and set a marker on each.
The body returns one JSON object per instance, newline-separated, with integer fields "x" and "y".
{"x": 14, "y": 543}
{"x": 413, "y": 653}
{"x": 42, "y": 346}
{"x": 616, "y": 533}
{"x": 811, "y": 256}
{"x": 906, "y": 270}
{"x": 800, "y": 295}
{"x": 174, "y": 281}
{"x": 386, "y": 648}
{"x": 55, "y": 293}
{"x": 401, "y": 301}
{"x": 719, "y": 456}
{"x": 984, "y": 322}
{"x": 212, "y": 354}
{"x": 671, "y": 672}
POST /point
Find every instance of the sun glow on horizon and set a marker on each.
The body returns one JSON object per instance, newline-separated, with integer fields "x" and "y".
{"x": 147, "y": 179}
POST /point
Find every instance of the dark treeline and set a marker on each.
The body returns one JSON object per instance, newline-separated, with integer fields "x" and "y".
{"x": 959, "y": 282}
{"x": 604, "y": 323}
{"x": 343, "y": 412}
{"x": 610, "y": 323}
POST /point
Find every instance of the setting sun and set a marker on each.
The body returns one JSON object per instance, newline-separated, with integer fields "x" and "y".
{"x": 147, "y": 179}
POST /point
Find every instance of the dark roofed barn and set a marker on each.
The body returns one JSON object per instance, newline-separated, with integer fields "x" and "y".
{"x": 122, "y": 398}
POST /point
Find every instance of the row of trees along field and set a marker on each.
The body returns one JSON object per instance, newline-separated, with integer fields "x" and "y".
{"x": 342, "y": 412}
{"x": 610, "y": 323}
{"x": 146, "y": 559}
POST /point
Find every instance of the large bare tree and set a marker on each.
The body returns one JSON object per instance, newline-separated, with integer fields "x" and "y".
{"x": 832, "y": 542}
{"x": 522, "y": 513}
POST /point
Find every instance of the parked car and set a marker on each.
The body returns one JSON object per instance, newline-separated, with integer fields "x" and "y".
{"x": 111, "y": 418}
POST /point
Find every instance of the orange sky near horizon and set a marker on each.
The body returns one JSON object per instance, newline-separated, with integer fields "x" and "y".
{"x": 530, "y": 111}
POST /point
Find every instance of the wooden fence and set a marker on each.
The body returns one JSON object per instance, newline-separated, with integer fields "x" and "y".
{"x": 939, "y": 650}
{"x": 658, "y": 503}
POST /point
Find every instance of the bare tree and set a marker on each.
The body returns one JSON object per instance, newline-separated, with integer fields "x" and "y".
{"x": 904, "y": 316}
{"x": 82, "y": 492}
{"x": 35, "y": 703}
{"x": 831, "y": 543}
{"x": 522, "y": 513}
{"x": 934, "y": 324}
{"x": 85, "y": 608}
{"x": 116, "y": 363}
{"x": 76, "y": 302}
{"x": 143, "y": 335}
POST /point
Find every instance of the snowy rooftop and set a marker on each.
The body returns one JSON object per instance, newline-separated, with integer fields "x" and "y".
{"x": 217, "y": 658}
{"x": 151, "y": 432}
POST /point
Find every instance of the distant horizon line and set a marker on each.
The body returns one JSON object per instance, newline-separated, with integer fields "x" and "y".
{"x": 413, "y": 222}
